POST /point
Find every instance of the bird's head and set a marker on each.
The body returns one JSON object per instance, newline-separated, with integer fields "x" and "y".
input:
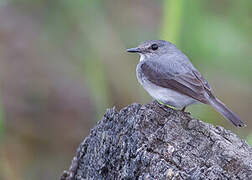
{"x": 153, "y": 48}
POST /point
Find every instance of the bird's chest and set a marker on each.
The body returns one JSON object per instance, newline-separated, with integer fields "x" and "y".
{"x": 165, "y": 95}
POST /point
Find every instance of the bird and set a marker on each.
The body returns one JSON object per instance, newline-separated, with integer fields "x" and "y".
{"x": 168, "y": 75}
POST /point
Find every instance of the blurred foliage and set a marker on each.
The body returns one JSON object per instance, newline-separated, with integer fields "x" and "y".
{"x": 249, "y": 139}
{"x": 1, "y": 120}
{"x": 172, "y": 20}
{"x": 62, "y": 63}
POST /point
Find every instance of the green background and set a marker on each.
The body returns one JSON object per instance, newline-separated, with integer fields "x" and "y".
{"x": 63, "y": 63}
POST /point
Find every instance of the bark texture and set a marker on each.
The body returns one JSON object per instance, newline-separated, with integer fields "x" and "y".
{"x": 153, "y": 141}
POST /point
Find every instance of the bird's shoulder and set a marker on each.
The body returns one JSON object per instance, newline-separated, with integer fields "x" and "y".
{"x": 176, "y": 67}
{"x": 154, "y": 68}
{"x": 171, "y": 65}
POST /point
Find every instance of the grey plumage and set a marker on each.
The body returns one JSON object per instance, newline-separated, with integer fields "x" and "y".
{"x": 169, "y": 76}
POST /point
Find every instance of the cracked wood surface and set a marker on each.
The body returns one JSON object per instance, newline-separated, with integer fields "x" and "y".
{"x": 155, "y": 142}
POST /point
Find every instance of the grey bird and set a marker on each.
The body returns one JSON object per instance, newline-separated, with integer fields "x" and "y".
{"x": 169, "y": 77}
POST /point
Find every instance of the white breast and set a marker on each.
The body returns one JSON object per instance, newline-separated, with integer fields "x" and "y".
{"x": 168, "y": 96}
{"x": 164, "y": 95}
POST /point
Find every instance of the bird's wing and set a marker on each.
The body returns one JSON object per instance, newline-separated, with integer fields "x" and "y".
{"x": 190, "y": 83}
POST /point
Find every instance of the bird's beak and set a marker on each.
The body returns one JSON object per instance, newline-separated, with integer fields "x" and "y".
{"x": 134, "y": 50}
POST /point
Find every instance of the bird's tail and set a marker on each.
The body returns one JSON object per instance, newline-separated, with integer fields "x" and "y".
{"x": 227, "y": 113}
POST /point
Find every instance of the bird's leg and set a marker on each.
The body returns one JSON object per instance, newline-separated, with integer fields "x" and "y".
{"x": 183, "y": 109}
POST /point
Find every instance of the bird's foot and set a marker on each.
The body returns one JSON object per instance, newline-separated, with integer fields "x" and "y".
{"x": 183, "y": 110}
{"x": 167, "y": 105}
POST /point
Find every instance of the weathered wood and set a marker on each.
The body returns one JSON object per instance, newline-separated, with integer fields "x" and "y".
{"x": 155, "y": 142}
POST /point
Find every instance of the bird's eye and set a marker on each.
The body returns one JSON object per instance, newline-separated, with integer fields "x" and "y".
{"x": 154, "y": 47}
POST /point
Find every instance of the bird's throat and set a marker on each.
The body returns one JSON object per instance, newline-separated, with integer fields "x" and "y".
{"x": 144, "y": 57}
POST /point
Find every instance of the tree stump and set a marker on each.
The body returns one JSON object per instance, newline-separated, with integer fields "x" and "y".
{"x": 153, "y": 141}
